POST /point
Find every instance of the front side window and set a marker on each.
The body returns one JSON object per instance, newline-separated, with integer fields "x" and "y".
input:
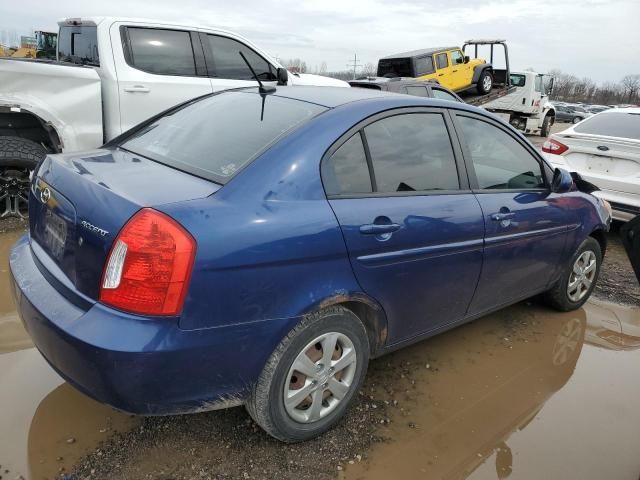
{"x": 216, "y": 136}
{"x": 443, "y": 94}
{"x": 518, "y": 80}
{"x": 346, "y": 172}
{"x": 424, "y": 65}
{"x": 499, "y": 161}
{"x": 78, "y": 44}
{"x": 162, "y": 52}
{"x": 417, "y": 91}
{"x": 456, "y": 57}
{"x": 227, "y": 62}
{"x": 442, "y": 61}
{"x": 412, "y": 152}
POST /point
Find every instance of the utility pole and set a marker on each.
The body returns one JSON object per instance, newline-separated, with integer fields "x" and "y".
{"x": 355, "y": 65}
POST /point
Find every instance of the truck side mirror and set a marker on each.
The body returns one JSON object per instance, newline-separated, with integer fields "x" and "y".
{"x": 283, "y": 76}
{"x": 466, "y": 59}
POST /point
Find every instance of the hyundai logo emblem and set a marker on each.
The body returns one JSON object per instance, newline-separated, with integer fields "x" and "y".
{"x": 45, "y": 195}
{"x": 603, "y": 148}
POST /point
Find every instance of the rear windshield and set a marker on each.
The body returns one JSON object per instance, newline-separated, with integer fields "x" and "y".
{"x": 78, "y": 45}
{"x": 217, "y": 136}
{"x": 612, "y": 124}
{"x": 395, "y": 67}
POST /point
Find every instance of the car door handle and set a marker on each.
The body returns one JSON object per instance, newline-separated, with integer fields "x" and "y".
{"x": 440, "y": 74}
{"x": 454, "y": 71}
{"x": 137, "y": 89}
{"x": 498, "y": 217}
{"x": 377, "y": 229}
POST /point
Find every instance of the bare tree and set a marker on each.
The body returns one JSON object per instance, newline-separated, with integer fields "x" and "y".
{"x": 296, "y": 65}
{"x": 631, "y": 84}
{"x": 369, "y": 70}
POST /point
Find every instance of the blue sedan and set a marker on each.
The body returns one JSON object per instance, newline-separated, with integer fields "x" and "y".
{"x": 259, "y": 248}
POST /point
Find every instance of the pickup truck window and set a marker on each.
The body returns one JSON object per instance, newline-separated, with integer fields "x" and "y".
{"x": 78, "y": 45}
{"x": 227, "y": 62}
{"x": 163, "y": 52}
{"x": 216, "y": 136}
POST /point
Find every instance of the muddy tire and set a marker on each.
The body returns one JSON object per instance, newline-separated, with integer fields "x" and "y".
{"x": 18, "y": 157}
{"x": 485, "y": 82}
{"x": 546, "y": 126}
{"x": 295, "y": 405}
{"x": 578, "y": 280}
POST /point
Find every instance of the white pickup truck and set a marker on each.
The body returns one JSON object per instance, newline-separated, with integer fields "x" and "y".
{"x": 111, "y": 74}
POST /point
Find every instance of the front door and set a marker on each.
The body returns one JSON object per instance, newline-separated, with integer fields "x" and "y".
{"x": 157, "y": 69}
{"x": 525, "y": 225}
{"x": 461, "y": 73}
{"x": 414, "y": 236}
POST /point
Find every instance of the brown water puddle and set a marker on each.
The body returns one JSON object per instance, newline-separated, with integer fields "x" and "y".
{"x": 523, "y": 393}
{"x": 45, "y": 424}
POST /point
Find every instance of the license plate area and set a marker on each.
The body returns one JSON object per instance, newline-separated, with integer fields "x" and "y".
{"x": 599, "y": 164}
{"x": 54, "y": 235}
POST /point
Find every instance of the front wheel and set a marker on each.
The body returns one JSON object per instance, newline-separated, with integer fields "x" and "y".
{"x": 576, "y": 120}
{"x": 312, "y": 377}
{"x": 485, "y": 82}
{"x": 579, "y": 278}
{"x": 546, "y": 126}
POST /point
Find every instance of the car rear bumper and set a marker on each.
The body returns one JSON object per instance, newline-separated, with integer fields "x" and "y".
{"x": 139, "y": 365}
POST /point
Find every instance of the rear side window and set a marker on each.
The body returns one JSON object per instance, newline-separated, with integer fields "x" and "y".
{"x": 499, "y": 161}
{"x": 395, "y": 67}
{"x": 417, "y": 91}
{"x": 346, "y": 172}
{"x": 424, "y": 65}
{"x": 78, "y": 45}
{"x": 217, "y": 136}
{"x": 227, "y": 62}
{"x": 163, "y": 52}
{"x": 442, "y": 61}
{"x": 612, "y": 124}
{"x": 412, "y": 152}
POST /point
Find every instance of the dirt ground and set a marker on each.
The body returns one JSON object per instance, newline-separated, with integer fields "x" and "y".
{"x": 443, "y": 408}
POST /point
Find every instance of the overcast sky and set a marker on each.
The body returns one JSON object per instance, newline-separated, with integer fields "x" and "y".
{"x": 595, "y": 38}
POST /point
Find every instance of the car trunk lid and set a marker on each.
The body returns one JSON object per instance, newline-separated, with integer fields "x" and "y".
{"x": 79, "y": 203}
{"x": 609, "y": 162}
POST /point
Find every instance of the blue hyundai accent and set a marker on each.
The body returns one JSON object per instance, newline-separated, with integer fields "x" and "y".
{"x": 259, "y": 248}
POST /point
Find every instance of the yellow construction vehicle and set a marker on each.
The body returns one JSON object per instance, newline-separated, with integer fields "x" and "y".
{"x": 44, "y": 47}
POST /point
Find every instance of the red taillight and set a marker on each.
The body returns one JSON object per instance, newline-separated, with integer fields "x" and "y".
{"x": 149, "y": 266}
{"x": 554, "y": 146}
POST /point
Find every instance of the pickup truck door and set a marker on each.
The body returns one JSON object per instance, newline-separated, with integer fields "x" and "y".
{"x": 157, "y": 68}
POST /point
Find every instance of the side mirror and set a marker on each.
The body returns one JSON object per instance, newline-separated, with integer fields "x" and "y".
{"x": 467, "y": 59}
{"x": 562, "y": 181}
{"x": 283, "y": 76}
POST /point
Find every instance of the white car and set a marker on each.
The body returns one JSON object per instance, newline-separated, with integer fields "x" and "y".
{"x": 605, "y": 150}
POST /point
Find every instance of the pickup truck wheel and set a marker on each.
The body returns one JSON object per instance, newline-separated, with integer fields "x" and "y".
{"x": 18, "y": 156}
{"x": 312, "y": 377}
{"x": 485, "y": 82}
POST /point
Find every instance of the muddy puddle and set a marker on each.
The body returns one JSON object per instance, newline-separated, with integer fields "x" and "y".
{"x": 524, "y": 393}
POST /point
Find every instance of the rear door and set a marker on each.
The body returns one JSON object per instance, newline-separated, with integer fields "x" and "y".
{"x": 157, "y": 68}
{"x": 443, "y": 70}
{"x": 412, "y": 227}
{"x": 526, "y": 224}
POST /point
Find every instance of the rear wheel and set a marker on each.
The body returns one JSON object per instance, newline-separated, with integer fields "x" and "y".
{"x": 485, "y": 82}
{"x": 312, "y": 377}
{"x": 18, "y": 156}
{"x": 576, "y": 120}
{"x": 579, "y": 278}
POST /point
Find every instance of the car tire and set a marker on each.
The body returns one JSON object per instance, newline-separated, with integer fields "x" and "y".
{"x": 546, "y": 126}
{"x": 485, "y": 82}
{"x": 307, "y": 416}
{"x": 18, "y": 156}
{"x": 564, "y": 296}
{"x": 576, "y": 120}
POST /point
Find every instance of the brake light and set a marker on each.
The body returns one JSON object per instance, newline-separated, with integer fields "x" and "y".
{"x": 149, "y": 266}
{"x": 554, "y": 146}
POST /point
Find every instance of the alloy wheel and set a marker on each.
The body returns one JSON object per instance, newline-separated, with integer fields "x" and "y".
{"x": 582, "y": 275}
{"x": 14, "y": 193}
{"x": 320, "y": 377}
{"x": 486, "y": 83}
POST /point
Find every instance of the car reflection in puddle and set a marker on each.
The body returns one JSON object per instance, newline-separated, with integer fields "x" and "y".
{"x": 477, "y": 411}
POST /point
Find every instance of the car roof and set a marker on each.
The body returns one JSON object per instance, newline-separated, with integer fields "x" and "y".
{"x": 419, "y": 53}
